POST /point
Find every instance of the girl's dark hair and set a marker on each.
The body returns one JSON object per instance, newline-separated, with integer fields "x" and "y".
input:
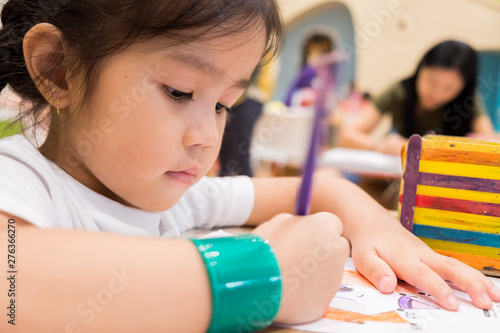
{"x": 322, "y": 39}
{"x": 94, "y": 29}
{"x": 458, "y": 113}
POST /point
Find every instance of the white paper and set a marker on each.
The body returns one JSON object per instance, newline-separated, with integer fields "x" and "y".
{"x": 359, "y": 307}
{"x": 217, "y": 234}
{"x": 362, "y": 161}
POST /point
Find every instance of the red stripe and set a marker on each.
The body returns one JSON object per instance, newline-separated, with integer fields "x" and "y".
{"x": 457, "y": 205}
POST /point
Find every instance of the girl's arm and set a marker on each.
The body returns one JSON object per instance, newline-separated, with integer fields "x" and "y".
{"x": 72, "y": 281}
{"x": 381, "y": 248}
{"x": 482, "y": 125}
{"x": 356, "y": 134}
{"x": 81, "y": 281}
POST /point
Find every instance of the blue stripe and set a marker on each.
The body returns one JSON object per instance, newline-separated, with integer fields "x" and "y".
{"x": 457, "y": 236}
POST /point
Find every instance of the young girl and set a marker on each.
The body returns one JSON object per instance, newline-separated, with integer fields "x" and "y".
{"x": 138, "y": 92}
{"x": 439, "y": 97}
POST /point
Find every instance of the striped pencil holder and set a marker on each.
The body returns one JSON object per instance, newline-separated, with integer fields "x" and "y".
{"x": 450, "y": 197}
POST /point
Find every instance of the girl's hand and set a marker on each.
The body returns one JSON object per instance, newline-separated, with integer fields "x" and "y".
{"x": 311, "y": 253}
{"x": 391, "y": 144}
{"x": 385, "y": 250}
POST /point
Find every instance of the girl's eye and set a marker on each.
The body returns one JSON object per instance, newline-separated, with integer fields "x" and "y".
{"x": 178, "y": 95}
{"x": 219, "y": 108}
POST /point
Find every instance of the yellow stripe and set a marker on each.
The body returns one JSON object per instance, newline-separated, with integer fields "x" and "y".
{"x": 444, "y": 192}
{"x": 485, "y": 251}
{"x": 454, "y": 220}
{"x": 457, "y": 144}
{"x": 460, "y": 169}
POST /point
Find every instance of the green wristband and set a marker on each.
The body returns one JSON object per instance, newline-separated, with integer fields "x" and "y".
{"x": 245, "y": 280}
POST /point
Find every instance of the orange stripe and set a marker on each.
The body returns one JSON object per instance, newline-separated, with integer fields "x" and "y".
{"x": 354, "y": 317}
{"x": 489, "y": 266}
{"x": 462, "y": 156}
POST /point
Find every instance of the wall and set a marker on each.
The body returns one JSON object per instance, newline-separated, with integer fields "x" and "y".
{"x": 489, "y": 87}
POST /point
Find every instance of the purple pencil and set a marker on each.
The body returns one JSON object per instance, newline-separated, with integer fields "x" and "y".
{"x": 303, "y": 201}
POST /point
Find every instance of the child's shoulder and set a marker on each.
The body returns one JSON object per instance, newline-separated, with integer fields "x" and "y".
{"x": 16, "y": 142}
{"x": 19, "y": 154}
{"x": 12, "y": 140}
{"x": 25, "y": 181}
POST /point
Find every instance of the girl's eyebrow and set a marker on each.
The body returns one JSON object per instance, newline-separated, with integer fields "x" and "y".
{"x": 198, "y": 64}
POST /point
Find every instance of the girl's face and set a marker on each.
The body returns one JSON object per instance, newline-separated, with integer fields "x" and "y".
{"x": 437, "y": 86}
{"x": 157, "y": 117}
{"x": 316, "y": 50}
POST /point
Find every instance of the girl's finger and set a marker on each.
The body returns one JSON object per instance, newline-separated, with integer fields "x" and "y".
{"x": 418, "y": 274}
{"x": 480, "y": 289}
{"x": 375, "y": 270}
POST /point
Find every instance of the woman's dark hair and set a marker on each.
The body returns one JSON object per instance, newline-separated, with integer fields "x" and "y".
{"x": 321, "y": 39}
{"x": 458, "y": 113}
{"x": 94, "y": 29}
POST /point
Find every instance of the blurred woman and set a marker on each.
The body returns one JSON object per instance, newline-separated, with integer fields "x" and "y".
{"x": 439, "y": 98}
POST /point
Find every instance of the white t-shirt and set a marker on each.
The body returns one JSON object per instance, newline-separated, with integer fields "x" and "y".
{"x": 36, "y": 190}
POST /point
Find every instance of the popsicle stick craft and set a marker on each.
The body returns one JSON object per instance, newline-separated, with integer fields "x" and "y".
{"x": 450, "y": 197}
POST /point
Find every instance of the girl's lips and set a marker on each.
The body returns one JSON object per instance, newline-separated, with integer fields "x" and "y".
{"x": 187, "y": 176}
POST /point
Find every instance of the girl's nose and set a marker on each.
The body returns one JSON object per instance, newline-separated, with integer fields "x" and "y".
{"x": 202, "y": 131}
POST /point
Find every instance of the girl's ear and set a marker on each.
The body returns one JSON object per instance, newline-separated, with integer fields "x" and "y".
{"x": 45, "y": 57}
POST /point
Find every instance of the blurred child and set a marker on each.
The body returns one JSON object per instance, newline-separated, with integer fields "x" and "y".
{"x": 301, "y": 92}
